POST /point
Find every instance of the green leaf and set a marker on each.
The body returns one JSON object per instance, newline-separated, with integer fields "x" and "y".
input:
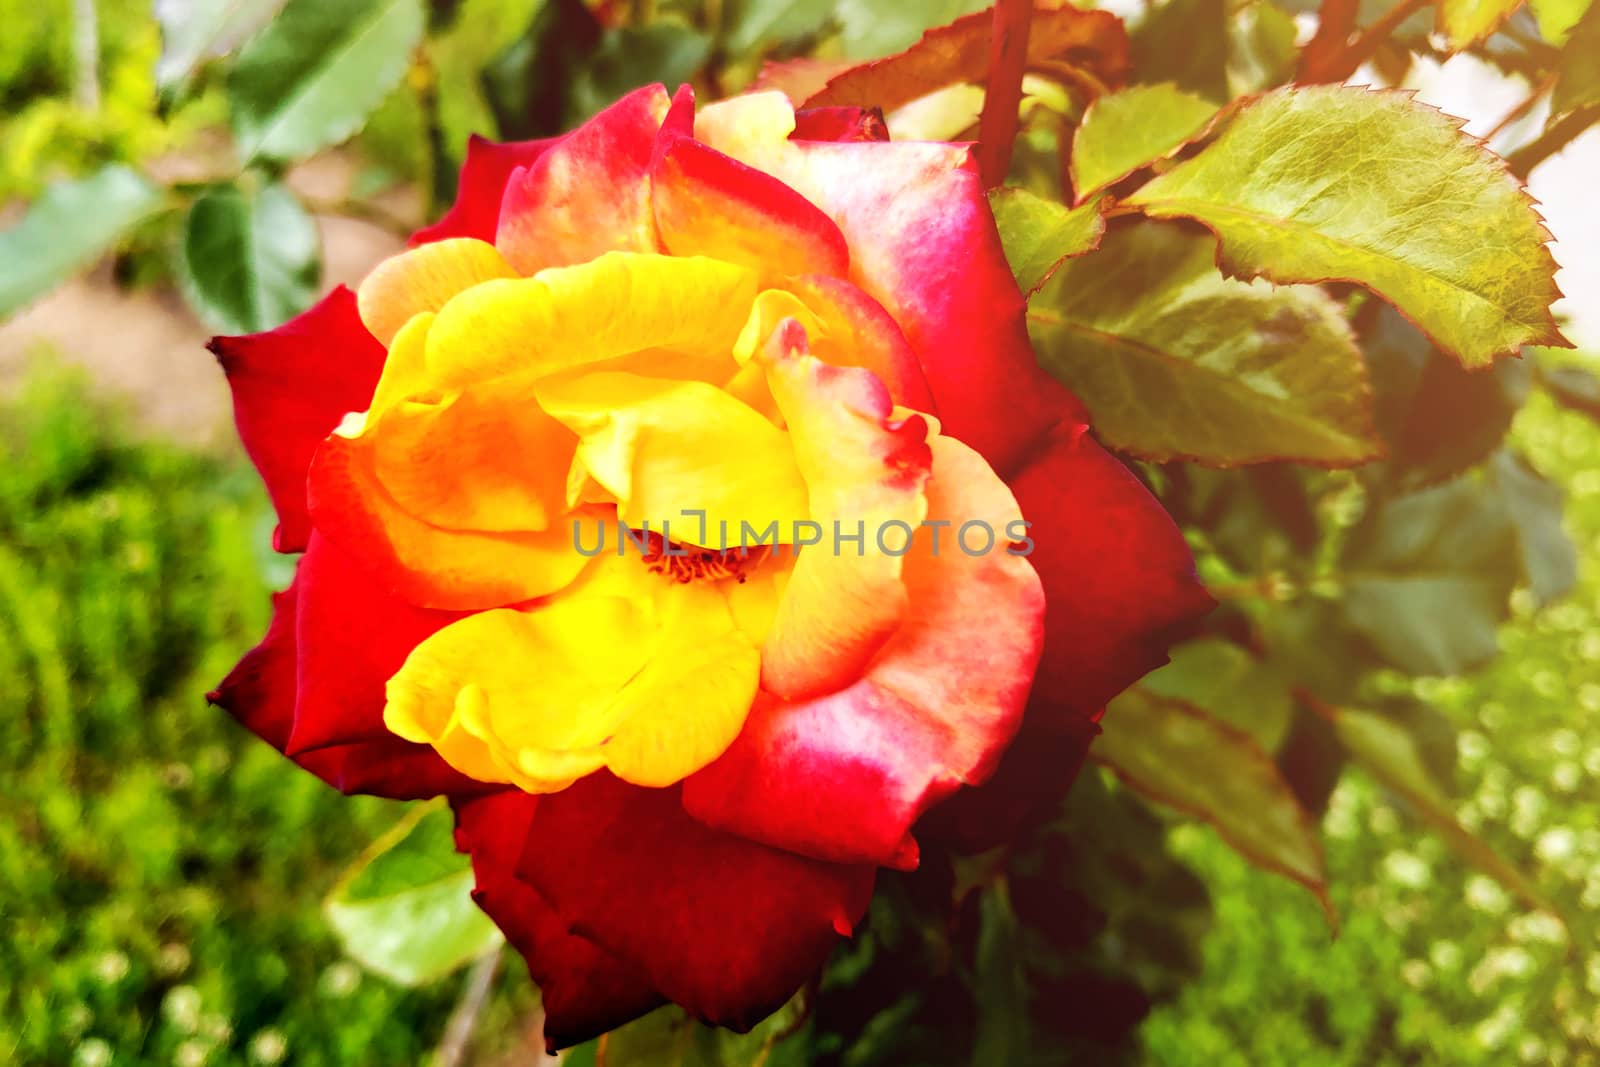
{"x": 1466, "y": 22}
{"x": 1133, "y": 128}
{"x": 1004, "y": 1032}
{"x": 1184, "y": 42}
{"x": 69, "y": 227}
{"x": 1438, "y": 417}
{"x": 1427, "y": 576}
{"x": 1181, "y": 756}
{"x": 1336, "y": 183}
{"x": 958, "y": 53}
{"x": 311, "y": 77}
{"x": 1261, "y": 47}
{"x": 1259, "y": 520}
{"x": 405, "y": 911}
{"x": 1039, "y": 235}
{"x": 1557, "y": 17}
{"x": 250, "y": 259}
{"x": 482, "y": 30}
{"x": 1549, "y": 558}
{"x": 871, "y": 28}
{"x": 630, "y": 56}
{"x": 1391, "y": 756}
{"x": 1215, "y": 49}
{"x": 1176, "y": 361}
{"x": 1578, "y": 78}
{"x": 1572, "y": 387}
{"x": 756, "y": 25}
{"x": 668, "y": 1037}
{"x": 193, "y": 31}
{"x": 1238, "y": 688}
{"x": 1311, "y": 640}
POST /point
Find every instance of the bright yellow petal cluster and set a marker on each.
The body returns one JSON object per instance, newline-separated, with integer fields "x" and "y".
{"x": 523, "y": 423}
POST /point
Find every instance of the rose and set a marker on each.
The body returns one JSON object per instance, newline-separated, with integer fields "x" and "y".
{"x": 676, "y": 775}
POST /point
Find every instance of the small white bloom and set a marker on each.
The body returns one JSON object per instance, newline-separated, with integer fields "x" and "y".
{"x": 268, "y": 1047}
{"x": 92, "y": 1053}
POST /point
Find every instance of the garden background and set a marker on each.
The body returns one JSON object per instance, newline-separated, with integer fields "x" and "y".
{"x": 163, "y": 875}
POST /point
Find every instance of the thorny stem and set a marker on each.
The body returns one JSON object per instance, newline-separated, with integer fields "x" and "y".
{"x": 1565, "y": 130}
{"x": 1336, "y": 21}
{"x": 464, "y": 1019}
{"x": 1008, "y": 55}
{"x": 1362, "y": 48}
{"x": 1334, "y": 63}
{"x": 1524, "y": 107}
{"x": 86, "y": 54}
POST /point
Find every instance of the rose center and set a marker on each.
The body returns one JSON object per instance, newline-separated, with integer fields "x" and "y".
{"x": 686, "y": 563}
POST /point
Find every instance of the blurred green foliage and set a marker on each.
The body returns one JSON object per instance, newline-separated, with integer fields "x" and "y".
{"x": 44, "y": 135}
{"x": 161, "y": 870}
{"x": 1435, "y": 963}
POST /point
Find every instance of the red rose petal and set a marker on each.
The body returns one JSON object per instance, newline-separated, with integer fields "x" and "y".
{"x": 291, "y": 386}
{"x": 585, "y": 990}
{"x": 484, "y": 176}
{"x": 1036, "y": 771}
{"x": 923, "y": 243}
{"x": 353, "y": 635}
{"x": 863, "y": 334}
{"x": 708, "y": 204}
{"x": 1120, "y": 587}
{"x": 588, "y": 195}
{"x": 725, "y": 927}
{"x": 261, "y": 690}
{"x": 845, "y": 776}
{"x": 396, "y": 769}
{"x": 839, "y": 124}
{"x": 1117, "y": 573}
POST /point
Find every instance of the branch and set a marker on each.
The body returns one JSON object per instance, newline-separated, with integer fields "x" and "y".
{"x": 86, "y": 54}
{"x": 463, "y": 1021}
{"x": 1524, "y": 107}
{"x": 1364, "y": 46}
{"x": 1339, "y": 63}
{"x": 1336, "y": 21}
{"x": 1008, "y": 54}
{"x": 1556, "y": 137}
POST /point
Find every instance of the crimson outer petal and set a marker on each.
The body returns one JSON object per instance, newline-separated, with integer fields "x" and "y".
{"x": 262, "y": 693}
{"x": 291, "y": 386}
{"x": 484, "y": 175}
{"x": 709, "y": 204}
{"x": 615, "y": 894}
{"x": 1120, "y": 584}
{"x": 845, "y": 775}
{"x": 923, "y": 242}
{"x": 839, "y": 124}
{"x": 352, "y": 635}
{"x": 725, "y": 927}
{"x": 585, "y": 990}
{"x": 1117, "y": 573}
{"x": 591, "y": 195}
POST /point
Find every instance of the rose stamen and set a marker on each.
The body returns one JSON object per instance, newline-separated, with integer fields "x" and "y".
{"x": 683, "y": 564}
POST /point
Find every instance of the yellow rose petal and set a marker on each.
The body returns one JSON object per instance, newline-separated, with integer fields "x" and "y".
{"x": 664, "y": 448}
{"x": 425, "y": 279}
{"x": 686, "y": 706}
{"x": 611, "y": 307}
{"x": 541, "y": 681}
{"x": 866, "y": 471}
